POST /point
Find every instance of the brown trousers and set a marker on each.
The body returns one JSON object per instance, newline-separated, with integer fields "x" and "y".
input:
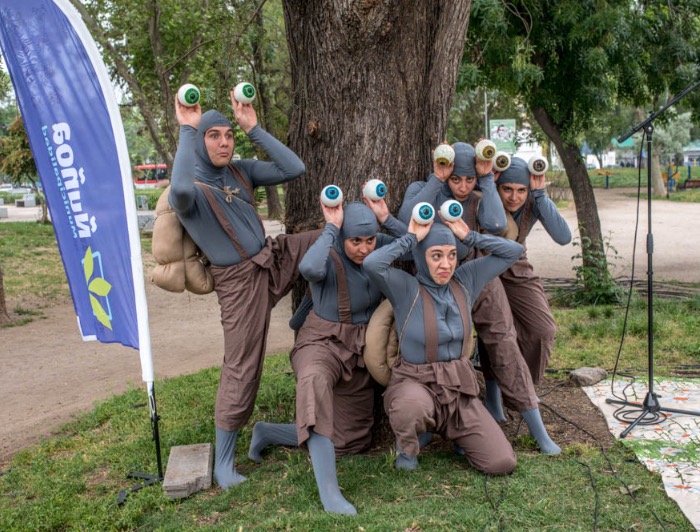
{"x": 335, "y": 393}
{"x": 441, "y": 398}
{"x": 247, "y": 291}
{"x": 499, "y": 350}
{"x": 532, "y": 316}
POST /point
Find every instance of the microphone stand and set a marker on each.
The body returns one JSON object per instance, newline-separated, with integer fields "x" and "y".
{"x": 650, "y": 406}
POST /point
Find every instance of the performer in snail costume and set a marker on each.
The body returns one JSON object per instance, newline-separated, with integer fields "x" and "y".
{"x": 214, "y": 201}
{"x": 483, "y": 211}
{"x": 335, "y": 393}
{"x": 525, "y": 199}
{"x": 433, "y": 388}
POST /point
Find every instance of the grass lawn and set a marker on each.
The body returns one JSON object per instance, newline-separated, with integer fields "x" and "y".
{"x": 71, "y": 481}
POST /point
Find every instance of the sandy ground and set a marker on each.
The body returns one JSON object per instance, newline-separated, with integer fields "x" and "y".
{"x": 50, "y": 375}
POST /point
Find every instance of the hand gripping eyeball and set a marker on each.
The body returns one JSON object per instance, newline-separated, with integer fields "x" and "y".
{"x": 451, "y": 210}
{"x": 244, "y": 92}
{"x": 537, "y": 165}
{"x": 423, "y": 213}
{"x": 374, "y": 189}
{"x": 444, "y": 154}
{"x": 485, "y": 150}
{"x": 331, "y": 196}
{"x": 501, "y": 162}
{"x": 188, "y": 95}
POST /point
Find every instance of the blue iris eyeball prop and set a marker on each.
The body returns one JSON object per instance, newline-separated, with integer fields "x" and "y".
{"x": 501, "y": 162}
{"x": 423, "y": 213}
{"x": 244, "y": 92}
{"x": 451, "y": 210}
{"x": 374, "y": 189}
{"x": 537, "y": 165}
{"x": 331, "y": 196}
{"x": 188, "y": 95}
{"x": 485, "y": 150}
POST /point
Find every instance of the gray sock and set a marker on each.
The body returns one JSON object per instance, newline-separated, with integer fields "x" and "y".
{"x": 266, "y": 434}
{"x": 322, "y": 454}
{"x": 492, "y": 401}
{"x": 539, "y": 432}
{"x": 225, "y": 472}
{"x": 424, "y": 439}
{"x": 403, "y": 461}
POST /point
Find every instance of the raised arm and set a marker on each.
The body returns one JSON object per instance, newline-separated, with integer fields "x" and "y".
{"x": 492, "y": 215}
{"x": 283, "y": 166}
{"x": 314, "y": 266}
{"x": 503, "y": 253}
{"x": 182, "y": 187}
{"x": 417, "y": 192}
{"x": 551, "y": 219}
{"x": 393, "y": 283}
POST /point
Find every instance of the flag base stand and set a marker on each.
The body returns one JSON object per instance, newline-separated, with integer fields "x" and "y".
{"x": 149, "y": 479}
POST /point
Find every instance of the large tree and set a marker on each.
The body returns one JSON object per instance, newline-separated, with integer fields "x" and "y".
{"x": 564, "y": 59}
{"x": 372, "y": 81}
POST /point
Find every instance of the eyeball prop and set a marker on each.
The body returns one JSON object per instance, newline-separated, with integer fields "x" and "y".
{"x": 188, "y": 95}
{"x": 331, "y": 196}
{"x": 485, "y": 150}
{"x": 537, "y": 165}
{"x": 374, "y": 189}
{"x": 501, "y": 162}
{"x": 444, "y": 154}
{"x": 451, "y": 210}
{"x": 423, "y": 213}
{"x": 244, "y": 92}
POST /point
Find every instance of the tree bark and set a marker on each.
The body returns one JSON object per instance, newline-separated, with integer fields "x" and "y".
{"x": 582, "y": 190}
{"x": 372, "y": 83}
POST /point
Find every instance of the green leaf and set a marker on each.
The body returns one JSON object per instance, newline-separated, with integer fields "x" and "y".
{"x": 99, "y": 287}
{"x": 99, "y": 312}
{"x": 88, "y": 264}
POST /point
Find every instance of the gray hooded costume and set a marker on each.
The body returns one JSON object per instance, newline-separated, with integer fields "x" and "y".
{"x": 433, "y": 388}
{"x": 335, "y": 394}
{"x": 251, "y": 277}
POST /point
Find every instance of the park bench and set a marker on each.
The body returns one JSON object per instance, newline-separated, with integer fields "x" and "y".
{"x": 28, "y": 200}
{"x": 690, "y": 183}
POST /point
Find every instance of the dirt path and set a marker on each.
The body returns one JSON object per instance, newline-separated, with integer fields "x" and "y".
{"x": 49, "y": 375}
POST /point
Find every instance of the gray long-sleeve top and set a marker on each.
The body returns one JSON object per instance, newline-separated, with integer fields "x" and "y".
{"x": 491, "y": 215}
{"x": 401, "y": 289}
{"x": 194, "y": 211}
{"x": 318, "y": 268}
{"x": 546, "y": 212}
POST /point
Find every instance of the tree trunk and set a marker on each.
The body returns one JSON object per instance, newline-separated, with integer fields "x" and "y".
{"x": 658, "y": 187}
{"x": 582, "y": 190}
{"x": 4, "y": 315}
{"x": 372, "y": 83}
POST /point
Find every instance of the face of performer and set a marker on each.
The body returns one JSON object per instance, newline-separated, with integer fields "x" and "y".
{"x": 358, "y": 247}
{"x": 441, "y": 261}
{"x": 219, "y": 143}
{"x": 513, "y": 196}
{"x": 461, "y": 186}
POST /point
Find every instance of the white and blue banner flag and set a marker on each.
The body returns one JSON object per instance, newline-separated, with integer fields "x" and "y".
{"x": 75, "y": 131}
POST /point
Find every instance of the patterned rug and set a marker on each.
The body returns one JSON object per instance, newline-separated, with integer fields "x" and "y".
{"x": 670, "y": 447}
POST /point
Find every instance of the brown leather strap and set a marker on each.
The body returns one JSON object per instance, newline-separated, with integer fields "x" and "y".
{"x": 429, "y": 326}
{"x": 471, "y": 218}
{"x": 344, "y": 312}
{"x": 240, "y": 178}
{"x": 524, "y": 225}
{"x": 221, "y": 216}
{"x": 460, "y": 294}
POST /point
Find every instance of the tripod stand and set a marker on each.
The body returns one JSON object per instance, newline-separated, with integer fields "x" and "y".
{"x": 650, "y": 406}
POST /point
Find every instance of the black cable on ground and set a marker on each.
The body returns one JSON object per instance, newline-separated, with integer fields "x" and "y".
{"x": 610, "y": 464}
{"x": 494, "y": 506}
